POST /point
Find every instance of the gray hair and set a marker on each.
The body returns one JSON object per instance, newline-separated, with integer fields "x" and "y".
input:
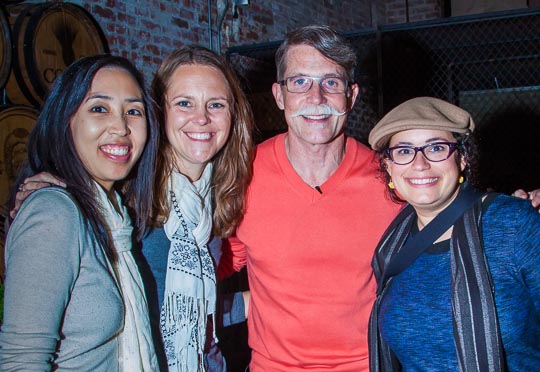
{"x": 323, "y": 38}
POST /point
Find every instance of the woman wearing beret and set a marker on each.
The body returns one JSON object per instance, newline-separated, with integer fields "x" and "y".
{"x": 457, "y": 270}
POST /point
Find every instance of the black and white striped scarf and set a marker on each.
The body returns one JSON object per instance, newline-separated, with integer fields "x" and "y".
{"x": 476, "y": 329}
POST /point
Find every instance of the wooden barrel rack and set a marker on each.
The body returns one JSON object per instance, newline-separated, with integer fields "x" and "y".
{"x": 47, "y": 38}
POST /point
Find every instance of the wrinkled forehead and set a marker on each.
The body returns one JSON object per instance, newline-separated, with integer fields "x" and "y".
{"x": 304, "y": 59}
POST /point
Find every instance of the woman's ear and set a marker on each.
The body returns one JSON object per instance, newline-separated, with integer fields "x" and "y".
{"x": 386, "y": 166}
{"x": 462, "y": 163}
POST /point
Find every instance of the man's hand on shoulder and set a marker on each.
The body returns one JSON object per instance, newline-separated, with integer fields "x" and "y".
{"x": 533, "y": 196}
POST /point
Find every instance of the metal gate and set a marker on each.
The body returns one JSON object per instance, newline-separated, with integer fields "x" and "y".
{"x": 487, "y": 64}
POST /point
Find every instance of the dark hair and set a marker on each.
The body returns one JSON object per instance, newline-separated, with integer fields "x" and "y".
{"x": 323, "y": 38}
{"x": 51, "y": 147}
{"x": 232, "y": 164}
{"x": 467, "y": 150}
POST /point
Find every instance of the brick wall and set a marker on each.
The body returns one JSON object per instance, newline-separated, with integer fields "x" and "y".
{"x": 147, "y": 30}
{"x": 401, "y": 11}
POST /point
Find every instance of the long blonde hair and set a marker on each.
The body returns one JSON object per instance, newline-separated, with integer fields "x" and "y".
{"x": 232, "y": 170}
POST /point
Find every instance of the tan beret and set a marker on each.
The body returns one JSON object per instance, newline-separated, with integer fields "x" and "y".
{"x": 420, "y": 113}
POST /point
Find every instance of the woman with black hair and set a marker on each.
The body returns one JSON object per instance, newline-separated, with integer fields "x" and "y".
{"x": 73, "y": 295}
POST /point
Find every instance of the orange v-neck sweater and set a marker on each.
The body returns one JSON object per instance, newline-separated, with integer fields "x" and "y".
{"x": 309, "y": 261}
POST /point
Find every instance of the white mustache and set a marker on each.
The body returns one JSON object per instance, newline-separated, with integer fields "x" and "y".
{"x": 323, "y": 109}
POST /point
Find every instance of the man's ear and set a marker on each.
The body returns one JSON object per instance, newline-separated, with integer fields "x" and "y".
{"x": 278, "y": 95}
{"x": 352, "y": 95}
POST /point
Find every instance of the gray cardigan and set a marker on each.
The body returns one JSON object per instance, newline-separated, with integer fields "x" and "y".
{"x": 62, "y": 306}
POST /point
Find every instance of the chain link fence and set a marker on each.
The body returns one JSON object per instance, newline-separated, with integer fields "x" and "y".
{"x": 488, "y": 64}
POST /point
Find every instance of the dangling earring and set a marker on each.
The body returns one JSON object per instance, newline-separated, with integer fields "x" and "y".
{"x": 461, "y": 179}
{"x": 391, "y": 185}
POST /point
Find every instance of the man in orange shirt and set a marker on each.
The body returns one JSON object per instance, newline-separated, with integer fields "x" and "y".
{"x": 315, "y": 212}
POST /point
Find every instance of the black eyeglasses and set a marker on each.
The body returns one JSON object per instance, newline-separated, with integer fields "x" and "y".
{"x": 434, "y": 152}
{"x": 302, "y": 84}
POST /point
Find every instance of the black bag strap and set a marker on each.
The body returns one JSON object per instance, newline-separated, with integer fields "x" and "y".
{"x": 414, "y": 247}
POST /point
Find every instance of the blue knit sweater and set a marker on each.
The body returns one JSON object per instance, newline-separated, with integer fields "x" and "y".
{"x": 415, "y": 317}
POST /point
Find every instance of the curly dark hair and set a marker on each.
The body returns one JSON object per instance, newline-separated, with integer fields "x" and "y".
{"x": 467, "y": 150}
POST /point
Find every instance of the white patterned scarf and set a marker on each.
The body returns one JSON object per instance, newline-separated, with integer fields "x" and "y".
{"x": 136, "y": 348}
{"x": 190, "y": 284}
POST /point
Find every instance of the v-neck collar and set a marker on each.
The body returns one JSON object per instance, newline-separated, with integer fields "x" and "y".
{"x": 302, "y": 188}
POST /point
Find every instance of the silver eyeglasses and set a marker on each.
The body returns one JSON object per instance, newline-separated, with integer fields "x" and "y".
{"x": 328, "y": 84}
{"x": 434, "y": 152}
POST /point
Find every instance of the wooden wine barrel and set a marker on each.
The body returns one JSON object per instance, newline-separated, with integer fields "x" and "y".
{"x": 16, "y": 123}
{"x": 47, "y": 38}
{"x": 5, "y": 49}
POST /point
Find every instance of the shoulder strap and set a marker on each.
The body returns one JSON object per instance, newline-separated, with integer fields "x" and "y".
{"x": 490, "y": 197}
{"x": 420, "y": 242}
